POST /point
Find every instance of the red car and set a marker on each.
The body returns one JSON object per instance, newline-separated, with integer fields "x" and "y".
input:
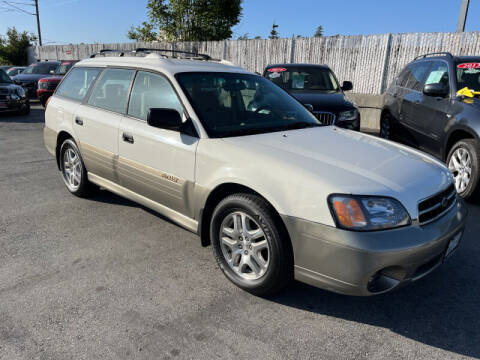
{"x": 46, "y": 86}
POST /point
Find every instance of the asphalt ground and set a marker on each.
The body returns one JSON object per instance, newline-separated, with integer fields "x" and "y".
{"x": 105, "y": 278}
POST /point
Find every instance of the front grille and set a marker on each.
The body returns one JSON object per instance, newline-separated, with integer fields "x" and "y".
{"x": 51, "y": 85}
{"x": 3, "y": 97}
{"x": 437, "y": 205}
{"x": 4, "y": 91}
{"x": 326, "y": 118}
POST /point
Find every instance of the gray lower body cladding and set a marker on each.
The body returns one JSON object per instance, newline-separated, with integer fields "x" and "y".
{"x": 348, "y": 262}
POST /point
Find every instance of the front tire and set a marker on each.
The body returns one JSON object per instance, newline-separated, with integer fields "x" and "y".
{"x": 464, "y": 162}
{"x": 251, "y": 245}
{"x": 74, "y": 173}
{"x": 386, "y": 127}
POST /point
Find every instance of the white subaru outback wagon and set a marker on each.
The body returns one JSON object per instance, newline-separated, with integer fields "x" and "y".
{"x": 229, "y": 155}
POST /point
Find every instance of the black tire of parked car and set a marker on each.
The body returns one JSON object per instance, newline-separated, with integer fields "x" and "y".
{"x": 280, "y": 269}
{"x": 24, "y": 110}
{"x": 473, "y": 148}
{"x": 86, "y": 188}
{"x": 386, "y": 127}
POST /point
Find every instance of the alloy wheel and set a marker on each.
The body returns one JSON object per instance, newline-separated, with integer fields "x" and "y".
{"x": 460, "y": 165}
{"x": 72, "y": 169}
{"x": 244, "y": 245}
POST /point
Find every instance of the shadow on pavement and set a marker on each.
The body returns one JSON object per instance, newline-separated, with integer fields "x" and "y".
{"x": 440, "y": 310}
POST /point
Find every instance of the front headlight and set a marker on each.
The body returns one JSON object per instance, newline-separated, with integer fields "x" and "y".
{"x": 21, "y": 92}
{"x": 42, "y": 85}
{"x": 366, "y": 213}
{"x": 348, "y": 115}
{"x": 14, "y": 97}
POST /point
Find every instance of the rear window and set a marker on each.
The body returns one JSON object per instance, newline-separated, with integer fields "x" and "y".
{"x": 42, "y": 68}
{"x": 75, "y": 86}
{"x": 303, "y": 78}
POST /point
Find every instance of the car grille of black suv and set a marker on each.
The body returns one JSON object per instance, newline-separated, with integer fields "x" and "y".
{"x": 326, "y": 118}
{"x": 437, "y": 205}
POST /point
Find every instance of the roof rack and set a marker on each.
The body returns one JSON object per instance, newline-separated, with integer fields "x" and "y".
{"x": 434, "y": 53}
{"x": 203, "y": 56}
{"x": 104, "y": 51}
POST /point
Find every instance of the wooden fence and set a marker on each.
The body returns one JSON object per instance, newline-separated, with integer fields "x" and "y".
{"x": 370, "y": 62}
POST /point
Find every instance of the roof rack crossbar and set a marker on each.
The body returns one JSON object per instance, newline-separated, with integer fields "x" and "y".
{"x": 204, "y": 56}
{"x": 103, "y": 51}
{"x": 434, "y": 53}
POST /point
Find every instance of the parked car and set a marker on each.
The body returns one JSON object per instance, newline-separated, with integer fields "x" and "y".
{"x": 30, "y": 76}
{"x": 12, "y": 97}
{"x": 15, "y": 70}
{"x": 47, "y": 85}
{"x": 316, "y": 86}
{"x": 423, "y": 109}
{"x": 5, "y": 67}
{"x": 275, "y": 192}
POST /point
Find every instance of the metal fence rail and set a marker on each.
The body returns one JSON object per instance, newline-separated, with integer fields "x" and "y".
{"x": 371, "y": 61}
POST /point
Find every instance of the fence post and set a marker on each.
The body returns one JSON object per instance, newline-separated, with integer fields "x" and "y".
{"x": 292, "y": 50}
{"x": 388, "y": 50}
{"x": 224, "y": 49}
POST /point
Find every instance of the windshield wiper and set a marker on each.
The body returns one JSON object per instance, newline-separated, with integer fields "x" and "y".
{"x": 301, "y": 125}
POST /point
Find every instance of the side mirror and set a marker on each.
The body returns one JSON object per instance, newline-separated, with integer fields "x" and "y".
{"x": 438, "y": 90}
{"x": 168, "y": 119}
{"x": 309, "y": 107}
{"x": 16, "y": 81}
{"x": 347, "y": 86}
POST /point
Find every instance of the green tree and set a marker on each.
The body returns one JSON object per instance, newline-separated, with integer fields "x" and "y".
{"x": 14, "y": 45}
{"x": 319, "y": 31}
{"x": 243, "y": 37}
{"x": 257, "y": 37}
{"x": 274, "y": 32}
{"x": 144, "y": 32}
{"x": 189, "y": 20}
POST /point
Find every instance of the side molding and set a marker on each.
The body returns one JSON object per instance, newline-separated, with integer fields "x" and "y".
{"x": 180, "y": 219}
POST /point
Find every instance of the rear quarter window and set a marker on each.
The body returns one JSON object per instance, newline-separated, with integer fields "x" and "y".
{"x": 76, "y": 84}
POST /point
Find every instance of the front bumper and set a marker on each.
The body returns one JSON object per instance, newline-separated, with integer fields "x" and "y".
{"x": 369, "y": 263}
{"x": 12, "y": 105}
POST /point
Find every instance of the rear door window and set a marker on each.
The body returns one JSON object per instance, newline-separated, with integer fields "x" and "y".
{"x": 111, "y": 90}
{"x": 75, "y": 86}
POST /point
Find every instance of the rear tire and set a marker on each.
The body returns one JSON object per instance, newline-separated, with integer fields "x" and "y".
{"x": 464, "y": 162}
{"x": 74, "y": 173}
{"x": 251, "y": 245}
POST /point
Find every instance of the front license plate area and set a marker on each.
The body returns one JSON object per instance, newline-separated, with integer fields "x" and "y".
{"x": 453, "y": 244}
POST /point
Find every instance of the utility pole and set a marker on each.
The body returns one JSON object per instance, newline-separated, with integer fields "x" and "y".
{"x": 38, "y": 23}
{"x": 462, "y": 19}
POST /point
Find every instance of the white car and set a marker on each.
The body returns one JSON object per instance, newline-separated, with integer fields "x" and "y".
{"x": 229, "y": 155}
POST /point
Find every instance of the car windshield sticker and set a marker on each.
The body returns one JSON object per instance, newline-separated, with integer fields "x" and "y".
{"x": 274, "y": 75}
{"x": 469, "y": 66}
{"x": 277, "y": 69}
{"x": 298, "y": 81}
{"x": 435, "y": 77}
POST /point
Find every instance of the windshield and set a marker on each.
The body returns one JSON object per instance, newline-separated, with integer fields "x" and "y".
{"x": 63, "y": 68}
{"x": 4, "y": 78}
{"x": 230, "y": 104}
{"x": 303, "y": 78}
{"x": 468, "y": 75}
{"x": 39, "y": 69}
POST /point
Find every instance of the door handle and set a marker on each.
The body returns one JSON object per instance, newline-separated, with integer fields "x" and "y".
{"x": 79, "y": 121}
{"x": 127, "y": 138}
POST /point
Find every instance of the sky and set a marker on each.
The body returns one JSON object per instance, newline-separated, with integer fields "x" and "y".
{"x": 107, "y": 21}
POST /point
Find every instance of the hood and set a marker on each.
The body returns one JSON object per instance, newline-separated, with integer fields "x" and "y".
{"x": 334, "y": 102}
{"x": 343, "y": 161}
{"x": 29, "y": 77}
{"x": 4, "y": 87}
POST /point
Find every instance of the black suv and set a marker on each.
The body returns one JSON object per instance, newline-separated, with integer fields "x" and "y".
{"x": 29, "y": 77}
{"x": 428, "y": 107}
{"x": 317, "y": 88}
